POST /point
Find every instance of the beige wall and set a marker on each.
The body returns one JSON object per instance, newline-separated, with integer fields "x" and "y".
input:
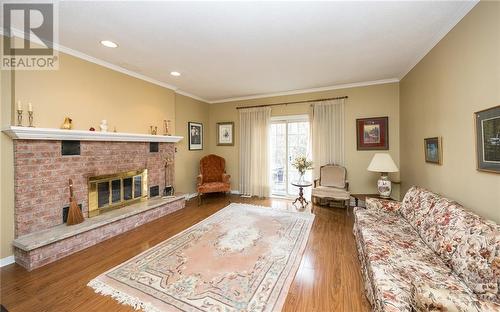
{"x": 87, "y": 93}
{"x": 6, "y": 167}
{"x": 370, "y": 101}
{"x": 187, "y": 162}
{"x": 459, "y": 76}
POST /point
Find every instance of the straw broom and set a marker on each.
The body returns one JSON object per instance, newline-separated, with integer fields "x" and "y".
{"x": 75, "y": 215}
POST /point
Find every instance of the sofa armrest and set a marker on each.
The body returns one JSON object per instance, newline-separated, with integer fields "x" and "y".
{"x": 428, "y": 297}
{"x": 226, "y": 177}
{"x": 384, "y": 205}
{"x": 199, "y": 180}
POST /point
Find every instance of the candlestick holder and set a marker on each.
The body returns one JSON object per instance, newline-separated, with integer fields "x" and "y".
{"x": 19, "y": 117}
{"x": 30, "y": 118}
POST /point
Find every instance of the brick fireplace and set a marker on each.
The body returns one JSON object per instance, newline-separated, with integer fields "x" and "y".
{"x": 42, "y": 169}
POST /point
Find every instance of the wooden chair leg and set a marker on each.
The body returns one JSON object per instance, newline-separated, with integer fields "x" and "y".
{"x": 199, "y": 199}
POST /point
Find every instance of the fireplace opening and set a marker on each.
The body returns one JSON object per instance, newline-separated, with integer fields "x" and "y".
{"x": 108, "y": 192}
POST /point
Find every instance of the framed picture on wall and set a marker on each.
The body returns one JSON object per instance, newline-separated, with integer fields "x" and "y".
{"x": 372, "y": 133}
{"x": 195, "y": 135}
{"x": 433, "y": 150}
{"x": 488, "y": 139}
{"x": 225, "y": 133}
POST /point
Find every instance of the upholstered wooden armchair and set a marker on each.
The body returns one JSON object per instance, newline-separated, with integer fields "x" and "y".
{"x": 212, "y": 177}
{"x": 331, "y": 185}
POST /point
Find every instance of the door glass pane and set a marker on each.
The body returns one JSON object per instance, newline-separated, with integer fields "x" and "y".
{"x": 278, "y": 158}
{"x": 289, "y": 139}
{"x": 298, "y": 140}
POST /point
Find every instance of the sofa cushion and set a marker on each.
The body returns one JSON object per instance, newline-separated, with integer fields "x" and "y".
{"x": 429, "y": 297}
{"x": 417, "y": 204}
{"x": 393, "y": 255}
{"x": 468, "y": 243}
{"x": 385, "y": 205}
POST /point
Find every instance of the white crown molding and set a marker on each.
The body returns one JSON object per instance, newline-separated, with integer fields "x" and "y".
{"x": 467, "y": 6}
{"x": 19, "y": 34}
{"x": 6, "y": 261}
{"x": 191, "y": 96}
{"x": 29, "y": 133}
{"x": 301, "y": 91}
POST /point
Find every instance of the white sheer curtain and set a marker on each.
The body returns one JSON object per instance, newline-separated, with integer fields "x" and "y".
{"x": 255, "y": 124}
{"x": 327, "y": 133}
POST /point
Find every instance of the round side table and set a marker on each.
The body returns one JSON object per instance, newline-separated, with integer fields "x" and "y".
{"x": 301, "y": 185}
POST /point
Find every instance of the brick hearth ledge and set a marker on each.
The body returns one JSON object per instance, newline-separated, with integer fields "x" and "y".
{"x": 40, "y": 248}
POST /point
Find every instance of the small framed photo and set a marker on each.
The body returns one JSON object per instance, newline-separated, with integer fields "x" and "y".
{"x": 225, "y": 133}
{"x": 488, "y": 139}
{"x": 372, "y": 133}
{"x": 433, "y": 150}
{"x": 195, "y": 134}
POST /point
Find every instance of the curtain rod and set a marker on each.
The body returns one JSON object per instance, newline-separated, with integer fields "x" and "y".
{"x": 297, "y": 102}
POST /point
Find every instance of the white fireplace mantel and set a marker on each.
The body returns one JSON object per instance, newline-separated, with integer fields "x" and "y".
{"x": 31, "y": 133}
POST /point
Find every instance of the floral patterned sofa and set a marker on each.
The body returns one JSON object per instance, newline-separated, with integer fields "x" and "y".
{"x": 427, "y": 253}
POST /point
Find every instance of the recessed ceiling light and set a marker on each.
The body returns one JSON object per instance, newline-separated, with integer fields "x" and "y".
{"x": 109, "y": 44}
{"x": 174, "y": 73}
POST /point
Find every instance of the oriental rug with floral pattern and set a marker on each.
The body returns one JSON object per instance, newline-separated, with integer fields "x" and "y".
{"x": 242, "y": 258}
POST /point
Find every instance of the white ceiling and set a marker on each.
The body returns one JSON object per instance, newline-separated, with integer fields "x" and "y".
{"x": 228, "y": 50}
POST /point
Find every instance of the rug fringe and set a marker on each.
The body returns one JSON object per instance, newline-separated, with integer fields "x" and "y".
{"x": 123, "y": 298}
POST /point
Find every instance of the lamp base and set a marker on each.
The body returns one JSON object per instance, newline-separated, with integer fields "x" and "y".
{"x": 384, "y": 186}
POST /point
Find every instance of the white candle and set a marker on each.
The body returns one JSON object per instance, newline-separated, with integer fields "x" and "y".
{"x": 30, "y": 107}
{"x": 19, "y": 106}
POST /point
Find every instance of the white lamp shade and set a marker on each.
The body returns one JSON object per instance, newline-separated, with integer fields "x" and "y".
{"x": 382, "y": 162}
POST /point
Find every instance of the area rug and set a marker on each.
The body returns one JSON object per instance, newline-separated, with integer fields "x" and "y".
{"x": 242, "y": 258}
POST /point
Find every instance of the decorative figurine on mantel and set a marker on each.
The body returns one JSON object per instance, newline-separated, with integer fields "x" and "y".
{"x": 104, "y": 125}
{"x": 19, "y": 114}
{"x": 154, "y": 130}
{"x": 166, "y": 126}
{"x": 30, "y": 115}
{"x": 67, "y": 124}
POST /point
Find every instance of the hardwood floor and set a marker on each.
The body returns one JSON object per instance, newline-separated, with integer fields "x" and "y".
{"x": 328, "y": 279}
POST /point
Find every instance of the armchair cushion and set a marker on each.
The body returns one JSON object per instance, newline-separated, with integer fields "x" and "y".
{"x": 330, "y": 192}
{"x": 212, "y": 167}
{"x": 211, "y": 187}
{"x": 333, "y": 176}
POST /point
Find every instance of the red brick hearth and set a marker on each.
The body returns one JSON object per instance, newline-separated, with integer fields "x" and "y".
{"x": 42, "y": 191}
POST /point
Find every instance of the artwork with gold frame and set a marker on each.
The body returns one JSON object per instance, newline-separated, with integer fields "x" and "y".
{"x": 487, "y": 126}
{"x": 225, "y": 133}
{"x": 433, "y": 150}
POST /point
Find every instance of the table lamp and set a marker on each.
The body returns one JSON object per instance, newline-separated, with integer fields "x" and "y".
{"x": 383, "y": 163}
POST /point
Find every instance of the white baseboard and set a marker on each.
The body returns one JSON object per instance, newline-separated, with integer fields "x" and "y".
{"x": 235, "y": 192}
{"x": 189, "y": 196}
{"x": 6, "y": 261}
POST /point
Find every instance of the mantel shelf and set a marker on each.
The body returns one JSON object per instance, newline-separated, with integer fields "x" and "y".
{"x": 29, "y": 133}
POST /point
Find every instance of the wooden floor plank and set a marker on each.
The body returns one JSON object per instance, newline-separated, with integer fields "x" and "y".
{"x": 328, "y": 278}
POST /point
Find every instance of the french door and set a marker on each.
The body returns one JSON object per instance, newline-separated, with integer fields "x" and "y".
{"x": 289, "y": 139}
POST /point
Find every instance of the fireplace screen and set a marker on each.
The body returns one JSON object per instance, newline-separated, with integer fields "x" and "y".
{"x": 117, "y": 190}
